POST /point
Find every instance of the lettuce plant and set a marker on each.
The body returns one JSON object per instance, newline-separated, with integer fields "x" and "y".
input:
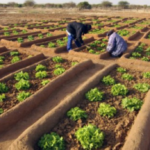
{"x": 3, "y": 88}
{"x": 136, "y": 54}
{"x": 58, "y": 66}
{"x": 41, "y": 74}
{"x": 30, "y": 38}
{"x": 2, "y": 97}
{"x": 51, "y": 45}
{"x": 51, "y": 142}
{"x": 2, "y": 57}
{"x": 49, "y": 34}
{"x": 40, "y": 67}
{"x": 90, "y": 137}
{"x": 15, "y": 59}
{"x": 14, "y": 53}
{"x": 44, "y": 82}
{"x": 142, "y": 87}
{"x": 108, "y": 80}
{"x": 23, "y": 95}
{"x": 127, "y": 76}
{"x": 106, "y": 110}
{"x": 22, "y": 85}
{"x": 146, "y": 75}
{"x": 40, "y": 35}
{"x": 94, "y": 95}
{"x": 1, "y": 61}
{"x": 121, "y": 70}
{"x": 57, "y": 59}
{"x": 119, "y": 89}
{"x": 74, "y": 63}
{"x": 21, "y": 75}
{"x": 132, "y": 103}
{"x": 76, "y": 113}
{"x": 92, "y": 51}
{"x": 1, "y": 110}
{"x": 145, "y": 58}
{"x": 20, "y": 40}
{"x": 59, "y": 71}
{"x": 1, "y": 66}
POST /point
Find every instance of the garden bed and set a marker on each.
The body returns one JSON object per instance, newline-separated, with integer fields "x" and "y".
{"x": 36, "y": 89}
{"x": 116, "y": 129}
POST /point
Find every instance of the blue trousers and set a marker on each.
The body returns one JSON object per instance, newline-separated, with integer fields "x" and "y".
{"x": 69, "y": 43}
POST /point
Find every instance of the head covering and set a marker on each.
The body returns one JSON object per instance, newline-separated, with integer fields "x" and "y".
{"x": 110, "y": 32}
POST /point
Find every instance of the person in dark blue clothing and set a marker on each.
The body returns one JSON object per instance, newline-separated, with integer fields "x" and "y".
{"x": 75, "y": 31}
{"x": 116, "y": 44}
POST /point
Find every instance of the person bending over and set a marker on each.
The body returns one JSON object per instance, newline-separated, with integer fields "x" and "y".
{"x": 116, "y": 44}
{"x": 75, "y": 31}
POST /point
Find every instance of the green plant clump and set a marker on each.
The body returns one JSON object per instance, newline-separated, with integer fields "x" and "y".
{"x": 121, "y": 70}
{"x": 142, "y": 87}
{"x": 57, "y": 59}
{"x": 40, "y": 67}
{"x": 44, "y": 82}
{"x": 132, "y": 103}
{"x": 106, "y": 110}
{"x": 108, "y": 80}
{"x": 15, "y": 59}
{"x": 76, "y": 113}
{"x": 2, "y": 97}
{"x": 136, "y": 54}
{"x": 127, "y": 76}
{"x": 145, "y": 58}
{"x": 74, "y": 63}
{"x": 41, "y": 74}
{"x": 20, "y": 40}
{"x": 1, "y": 110}
{"x": 14, "y": 53}
{"x": 51, "y": 142}
{"x": 23, "y": 95}
{"x": 3, "y": 88}
{"x": 146, "y": 75}
{"x": 90, "y": 137}
{"x": 21, "y": 75}
{"x": 94, "y": 95}
{"x": 119, "y": 89}
{"x": 58, "y": 66}
{"x": 59, "y": 71}
{"x": 22, "y": 85}
{"x": 51, "y": 45}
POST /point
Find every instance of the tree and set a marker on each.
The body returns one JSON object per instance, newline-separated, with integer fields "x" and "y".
{"x": 123, "y": 4}
{"x": 29, "y": 3}
{"x": 106, "y": 4}
{"x": 69, "y": 5}
{"x": 84, "y": 5}
{"x": 12, "y": 4}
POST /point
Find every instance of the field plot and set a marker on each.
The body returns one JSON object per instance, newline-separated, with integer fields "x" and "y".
{"x": 81, "y": 99}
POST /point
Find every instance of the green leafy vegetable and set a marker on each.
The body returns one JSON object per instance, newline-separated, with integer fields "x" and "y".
{"x": 119, "y": 89}
{"x": 74, "y": 63}
{"x": 94, "y": 95}
{"x": 3, "y": 88}
{"x": 51, "y": 142}
{"x": 76, "y": 113}
{"x": 1, "y": 110}
{"x": 14, "y": 53}
{"x": 58, "y": 59}
{"x": 59, "y": 71}
{"x": 2, "y": 97}
{"x": 22, "y": 85}
{"x": 40, "y": 67}
{"x": 131, "y": 103}
{"x": 108, "y": 80}
{"x": 21, "y": 75}
{"x": 146, "y": 75}
{"x": 44, "y": 82}
{"x": 142, "y": 87}
{"x": 41, "y": 74}
{"x": 121, "y": 70}
{"x": 106, "y": 110}
{"x": 127, "y": 76}
{"x": 15, "y": 59}
{"x": 23, "y": 95}
{"x": 90, "y": 137}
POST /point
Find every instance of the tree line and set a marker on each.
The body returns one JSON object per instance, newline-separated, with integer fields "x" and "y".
{"x": 81, "y": 5}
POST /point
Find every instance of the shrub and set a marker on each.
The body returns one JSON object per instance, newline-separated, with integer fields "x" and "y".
{"x": 1, "y": 110}
{"x": 3, "y": 88}
{"x": 131, "y": 103}
{"x": 21, "y": 75}
{"x": 142, "y": 87}
{"x": 59, "y": 71}
{"x": 106, "y": 110}
{"x": 76, "y": 113}
{"x": 94, "y": 95}
{"x": 108, "y": 80}
{"x": 44, "y": 82}
{"x": 15, "y": 59}
{"x": 57, "y": 59}
{"x": 14, "y": 53}
{"x": 2, "y": 97}
{"x": 127, "y": 76}
{"x": 41, "y": 74}
{"x": 22, "y": 85}
{"x": 119, "y": 89}
{"x": 74, "y": 63}
{"x": 146, "y": 75}
{"x": 40, "y": 67}
{"x": 23, "y": 95}
{"x": 121, "y": 70}
{"x": 90, "y": 137}
{"x": 51, "y": 142}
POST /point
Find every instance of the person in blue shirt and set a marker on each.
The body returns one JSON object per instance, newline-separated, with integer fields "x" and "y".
{"x": 116, "y": 44}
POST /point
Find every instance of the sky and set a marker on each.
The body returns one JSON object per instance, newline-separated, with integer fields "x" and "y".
{"x": 140, "y": 2}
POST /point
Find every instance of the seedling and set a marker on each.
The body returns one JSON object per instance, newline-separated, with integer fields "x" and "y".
{"x": 41, "y": 74}
{"x": 127, "y": 76}
{"x": 108, "y": 80}
{"x": 30, "y": 38}
{"x": 74, "y": 63}
{"x": 49, "y": 34}
{"x": 145, "y": 58}
{"x": 40, "y": 67}
{"x": 142, "y": 87}
{"x": 76, "y": 113}
{"x": 21, "y": 75}
{"x": 20, "y": 40}
{"x": 44, "y": 82}
{"x": 51, "y": 44}
{"x": 59, "y": 71}
{"x": 2, "y": 97}
{"x": 15, "y": 59}
{"x": 14, "y": 53}
{"x": 23, "y": 95}
{"x": 22, "y": 85}
{"x": 146, "y": 75}
{"x": 6, "y": 34}
{"x": 121, "y": 70}
{"x": 57, "y": 59}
